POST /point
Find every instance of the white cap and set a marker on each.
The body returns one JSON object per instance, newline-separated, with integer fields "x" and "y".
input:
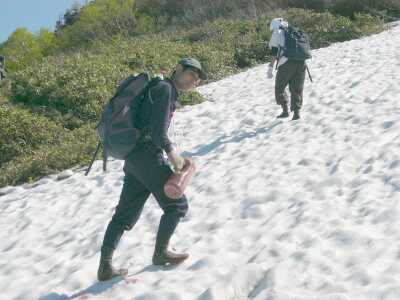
{"x": 277, "y": 23}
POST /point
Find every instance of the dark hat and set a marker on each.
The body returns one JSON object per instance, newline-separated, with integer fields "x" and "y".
{"x": 194, "y": 63}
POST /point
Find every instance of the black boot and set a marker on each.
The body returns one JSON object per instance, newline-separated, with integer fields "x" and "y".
{"x": 163, "y": 257}
{"x": 296, "y": 115}
{"x": 285, "y": 112}
{"x": 106, "y": 270}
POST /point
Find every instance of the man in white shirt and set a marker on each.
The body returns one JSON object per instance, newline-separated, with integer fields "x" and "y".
{"x": 290, "y": 72}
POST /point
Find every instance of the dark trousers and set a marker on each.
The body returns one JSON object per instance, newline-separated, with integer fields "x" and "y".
{"x": 291, "y": 73}
{"x": 146, "y": 172}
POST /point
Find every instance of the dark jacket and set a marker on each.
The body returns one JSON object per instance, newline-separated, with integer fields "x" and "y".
{"x": 156, "y": 114}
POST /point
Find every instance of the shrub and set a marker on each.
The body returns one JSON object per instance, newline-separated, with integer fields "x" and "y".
{"x": 74, "y": 148}
{"x": 23, "y": 48}
{"x": 5, "y": 91}
{"x": 176, "y": 12}
{"x": 250, "y": 50}
{"x": 20, "y": 49}
{"x": 325, "y": 28}
{"x": 317, "y": 5}
{"x": 191, "y": 98}
{"x": 388, "y": 9}
{"x": 77, "y": 84}
{"x": 101, "y": 20}
{"x": 23, "y": 132}
{"x": 69, "y": 88}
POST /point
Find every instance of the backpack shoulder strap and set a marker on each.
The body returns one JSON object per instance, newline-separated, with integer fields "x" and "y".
{"x": 153, "y": 82}
{"x": 146, "y": 91}
{"x": 142, "y": 96}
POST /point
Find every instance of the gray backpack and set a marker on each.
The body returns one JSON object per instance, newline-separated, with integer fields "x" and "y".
{"x": 297, "y": 44}
{"x": 117, "y": 129}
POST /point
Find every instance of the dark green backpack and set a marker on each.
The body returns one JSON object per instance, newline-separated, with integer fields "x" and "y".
{"x": 117, "y": 129}
{"x": 297, "y": 44}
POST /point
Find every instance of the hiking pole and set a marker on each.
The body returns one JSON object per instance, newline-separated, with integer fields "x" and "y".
{"x": 105, "y": 155}
{"x": 93, "y": 158}
{"x": 309, "y": 74}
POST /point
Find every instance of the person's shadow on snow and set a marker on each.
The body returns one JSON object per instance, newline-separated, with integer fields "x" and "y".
{"x": 153, "y": 268}
{"x": 236, "y": 138}
{"x": 100, "y": 287}
{"x": 95, "y": 289}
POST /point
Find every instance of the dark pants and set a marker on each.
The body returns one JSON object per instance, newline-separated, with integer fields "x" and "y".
{"x": 146, "y": 172}
{"x": 291, "y": 73}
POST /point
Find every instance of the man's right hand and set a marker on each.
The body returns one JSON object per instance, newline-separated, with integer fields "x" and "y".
{"x": 177, "y": 161}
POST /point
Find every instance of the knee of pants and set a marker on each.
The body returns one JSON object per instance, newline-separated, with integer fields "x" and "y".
{"x": 280, "y": 96}
{"x": 180, "y": 208}
{"x": 124, "y": 223}
{"x": 281, "y": 99}
{"x": 117, "y": 224}
{"x": 296, "y": 97}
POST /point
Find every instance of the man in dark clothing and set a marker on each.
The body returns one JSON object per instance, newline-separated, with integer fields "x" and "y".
{"x": 290, "y": 72}
{"x": 146, "y": 171}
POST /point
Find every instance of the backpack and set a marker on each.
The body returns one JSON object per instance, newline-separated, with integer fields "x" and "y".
{"x": 117, "y": 129}
{"x": 297, "y": 44}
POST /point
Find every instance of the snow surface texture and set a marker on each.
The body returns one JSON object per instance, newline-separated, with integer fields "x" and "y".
{"x": 278, "y": 209}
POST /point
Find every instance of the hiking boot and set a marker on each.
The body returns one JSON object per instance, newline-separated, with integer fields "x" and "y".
{"x": 285, "y": 112}
{"x": 164, "y": 257}
{"x": 106, "y": 270}
{"x": 296, "y": 115}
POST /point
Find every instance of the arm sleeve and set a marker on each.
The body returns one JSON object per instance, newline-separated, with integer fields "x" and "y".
{"x": 277, "y": 41}
{"x": 274, "y": 41}
{"x": 160, "y": 116}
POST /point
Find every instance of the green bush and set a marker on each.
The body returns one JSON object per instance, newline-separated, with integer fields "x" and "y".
{"x": 191, "y": 98}
{"x": 74, "y": 148}
{"x": 78, "y": 84}
{"x": 368, "y": 24}
{"x": 316, "y": 5}
{"x": 103, "y": 19}
{"x": 189, "y": 12}
{"x": 20, "y": 49}
{"x": 250, "y": 49}
{"x": 326, "y": 28}
{"x": 387, "y": 9}
{"x": 5, "y": 91}
{"x": 163, "y": 51}
{"x": 22, "y": 132}
{"x": 69, "y": 88}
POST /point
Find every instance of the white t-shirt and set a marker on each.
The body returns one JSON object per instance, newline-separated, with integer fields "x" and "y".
{"x": 278, "y": 41}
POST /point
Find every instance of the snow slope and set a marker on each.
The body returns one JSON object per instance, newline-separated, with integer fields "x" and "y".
{"x": 278, "y": 209}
